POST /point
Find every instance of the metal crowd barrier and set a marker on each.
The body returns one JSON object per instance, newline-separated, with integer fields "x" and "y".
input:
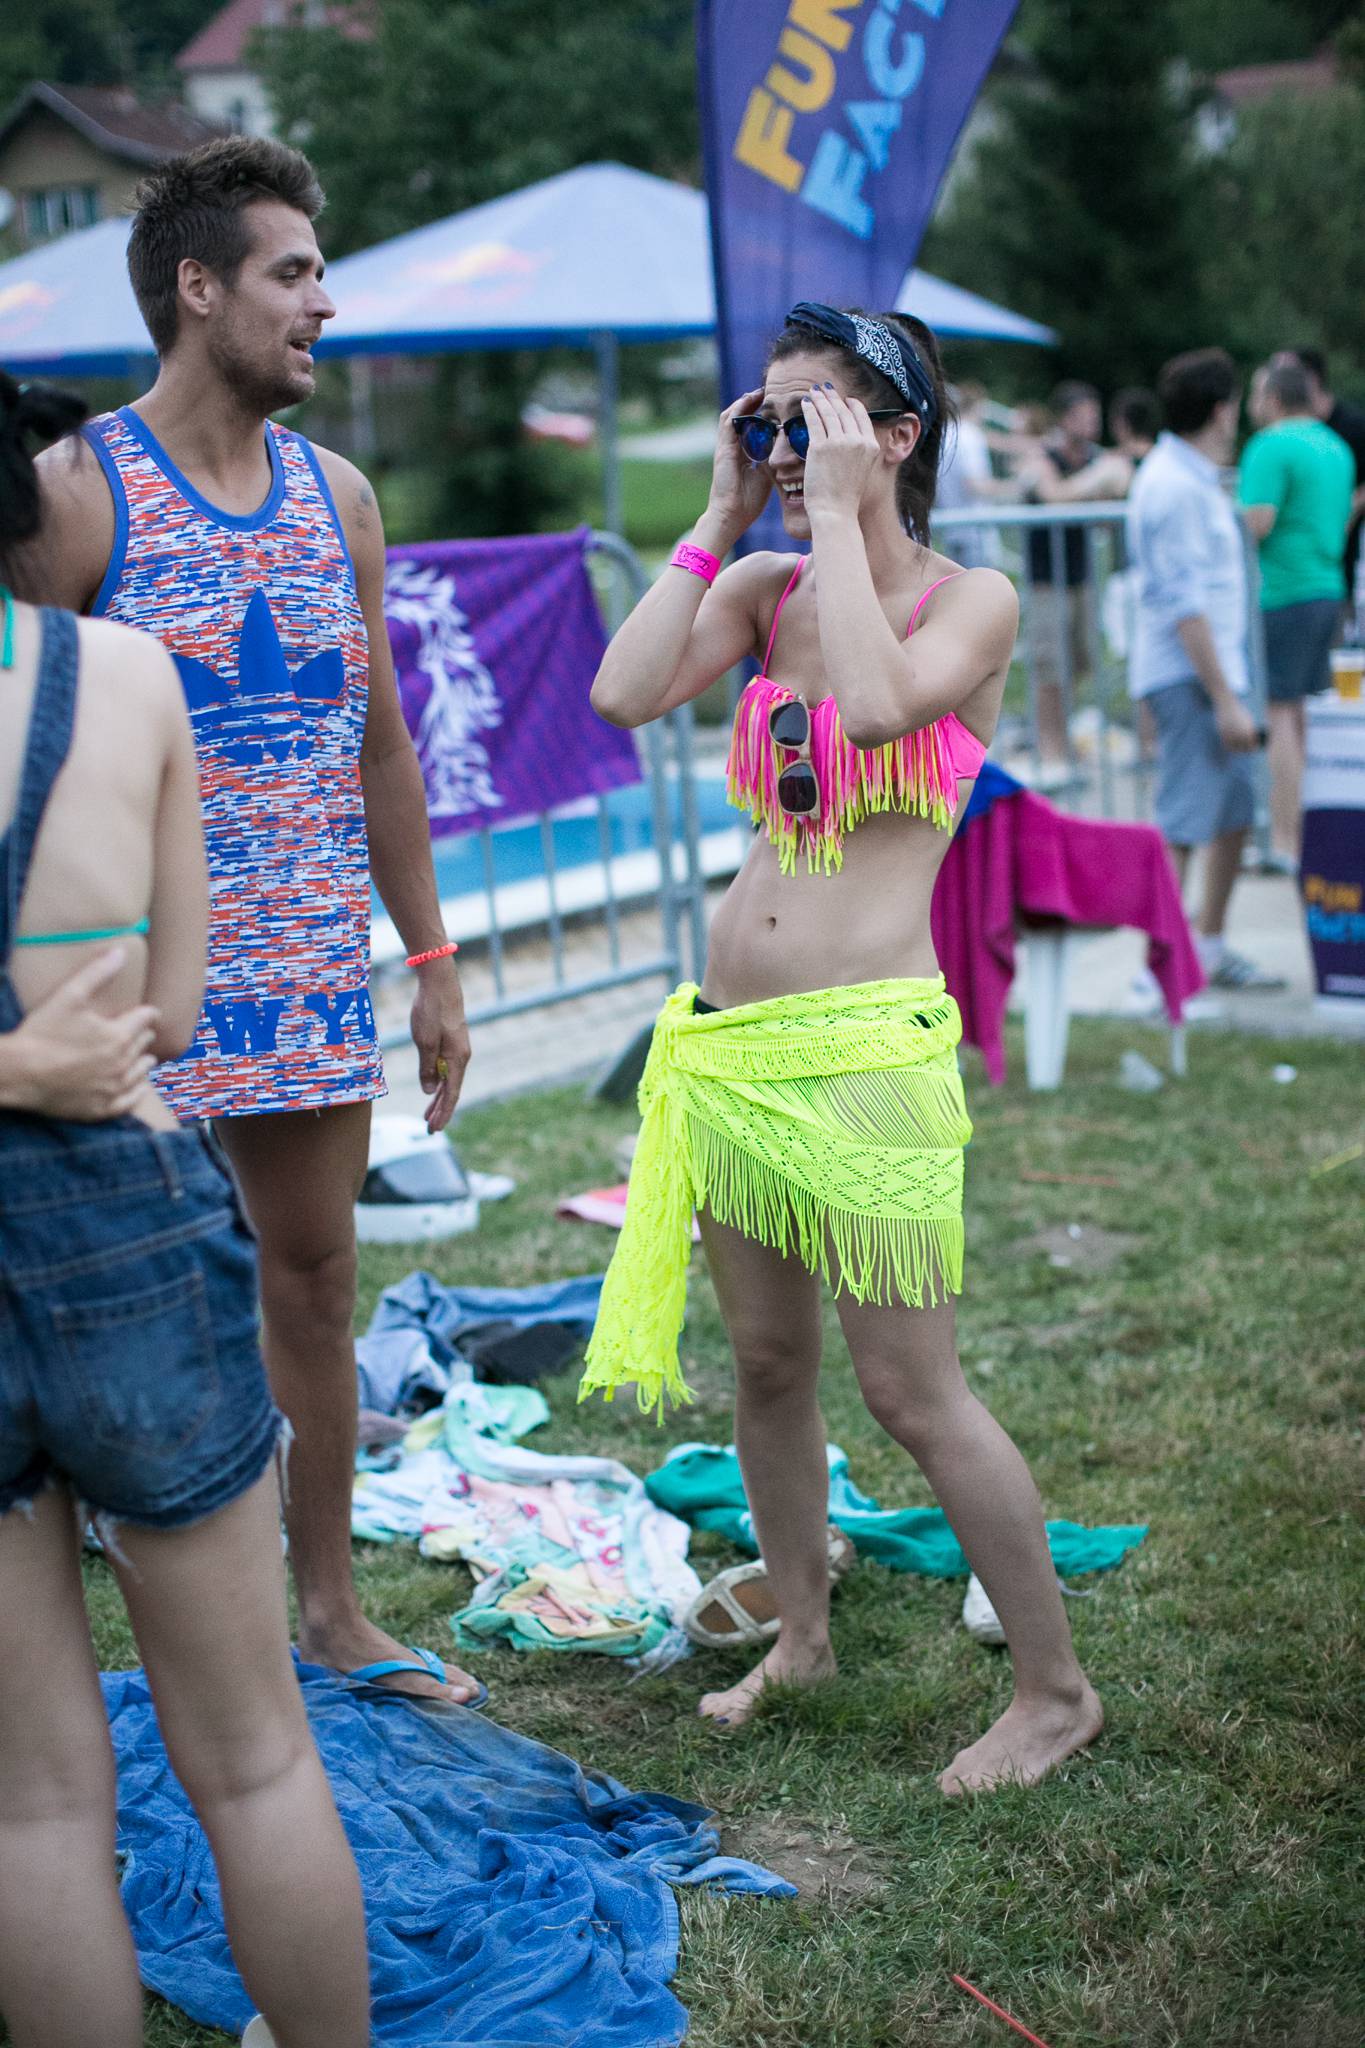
{"x": 589, "y": 901}
{"x": 1062, "y": 643}
{"x": 1106, "y": 770}
{"x": 1107, "y": 767}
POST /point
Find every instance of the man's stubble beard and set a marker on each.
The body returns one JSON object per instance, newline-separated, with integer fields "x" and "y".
{"x": 252, "y": 389}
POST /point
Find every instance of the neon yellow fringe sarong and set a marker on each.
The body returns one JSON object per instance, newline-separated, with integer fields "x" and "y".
{"x": 829, "y": 1125}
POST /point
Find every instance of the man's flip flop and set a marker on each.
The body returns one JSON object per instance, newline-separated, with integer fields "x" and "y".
{"x": 426, "y": 1664}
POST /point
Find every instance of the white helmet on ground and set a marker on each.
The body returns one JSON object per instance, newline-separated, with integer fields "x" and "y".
{"x": 415, "y": 1188}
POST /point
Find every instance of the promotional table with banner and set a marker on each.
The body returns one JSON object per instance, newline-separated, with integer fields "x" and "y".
{"x": 1332, "y": 877}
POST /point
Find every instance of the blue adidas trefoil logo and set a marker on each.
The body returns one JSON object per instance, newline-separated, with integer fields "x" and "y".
{"x": 261, "y": 718}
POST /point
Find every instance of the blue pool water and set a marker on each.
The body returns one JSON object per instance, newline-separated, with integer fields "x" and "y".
{"x": 518, "y": 852}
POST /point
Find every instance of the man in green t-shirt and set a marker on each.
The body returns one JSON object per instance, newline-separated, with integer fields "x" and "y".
{"x": 1296, "y": 482}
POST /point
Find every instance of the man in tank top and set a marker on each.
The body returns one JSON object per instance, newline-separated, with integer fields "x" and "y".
{"x": 258, "y": 560}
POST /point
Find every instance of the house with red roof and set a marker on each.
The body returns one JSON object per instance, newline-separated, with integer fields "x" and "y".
{"x": 221, "y": 82}
{"x": 1230, "y": 93}
{"x": 72, "y": 154}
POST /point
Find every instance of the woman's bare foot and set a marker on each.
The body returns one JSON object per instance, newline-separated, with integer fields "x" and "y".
{"x": 361, "y": 1643}
{"x": 781, "y": 1666}
{"x": 1029, "y": 1740}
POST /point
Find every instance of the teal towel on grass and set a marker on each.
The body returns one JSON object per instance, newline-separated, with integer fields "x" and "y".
{"x": 701, "y": 1484}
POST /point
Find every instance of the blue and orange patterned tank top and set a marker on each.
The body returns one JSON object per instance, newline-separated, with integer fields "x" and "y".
{"x": 262, "y": 617}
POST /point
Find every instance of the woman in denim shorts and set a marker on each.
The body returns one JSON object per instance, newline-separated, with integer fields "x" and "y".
{"x": 132, "y": 1391}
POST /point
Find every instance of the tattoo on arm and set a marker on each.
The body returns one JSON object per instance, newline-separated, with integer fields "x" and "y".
{"x": 364, "y": 506}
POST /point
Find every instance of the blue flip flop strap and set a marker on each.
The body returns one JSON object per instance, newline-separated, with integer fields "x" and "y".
{"x": 427, "y": 1665}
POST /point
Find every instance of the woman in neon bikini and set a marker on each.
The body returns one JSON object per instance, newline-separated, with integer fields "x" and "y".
{"x": 806, "y": 1099}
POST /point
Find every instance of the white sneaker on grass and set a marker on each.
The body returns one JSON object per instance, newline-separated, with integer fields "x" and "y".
{"x": 1229, "y": 969}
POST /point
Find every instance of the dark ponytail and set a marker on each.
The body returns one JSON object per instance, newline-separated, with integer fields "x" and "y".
{"x": 917, "y": 478}
{"x": 31, "y": 415}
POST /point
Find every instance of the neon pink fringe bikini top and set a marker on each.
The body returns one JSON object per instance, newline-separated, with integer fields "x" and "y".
{"x": 917, "y": 774}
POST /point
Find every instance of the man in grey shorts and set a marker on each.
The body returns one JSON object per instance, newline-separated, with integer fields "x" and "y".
{"x": 1189, "y": 661}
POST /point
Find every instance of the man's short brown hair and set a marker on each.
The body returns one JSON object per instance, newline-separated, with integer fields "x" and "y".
{"x": 1192, "y": 387}
{"x": 195, "y": 206}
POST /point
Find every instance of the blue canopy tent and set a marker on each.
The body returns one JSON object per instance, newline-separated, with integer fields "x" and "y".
{"x": 67, "y": 308}
{"x": 591, "y": 258}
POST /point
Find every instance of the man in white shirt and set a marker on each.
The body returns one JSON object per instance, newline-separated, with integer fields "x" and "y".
{"x": 1189, "y": 660}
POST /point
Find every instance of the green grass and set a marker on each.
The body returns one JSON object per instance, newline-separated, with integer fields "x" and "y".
{"x": 1193, "y": 1880}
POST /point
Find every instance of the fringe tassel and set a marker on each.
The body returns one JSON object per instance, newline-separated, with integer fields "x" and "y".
{"x": 910, "y": 776}
{"x": 742, "y": 1113}
{"x": 644, "y": 1296}
{"x": 886, "y": 1259}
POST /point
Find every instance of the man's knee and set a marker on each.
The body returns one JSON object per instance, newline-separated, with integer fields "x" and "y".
{"x": 309, "y": 1282}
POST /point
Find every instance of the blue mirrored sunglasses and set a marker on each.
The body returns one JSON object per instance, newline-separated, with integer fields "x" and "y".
{"x": 758, "y": 434}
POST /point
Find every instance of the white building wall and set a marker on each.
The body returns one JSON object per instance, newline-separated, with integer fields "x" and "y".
{"x": 231, "y": 99}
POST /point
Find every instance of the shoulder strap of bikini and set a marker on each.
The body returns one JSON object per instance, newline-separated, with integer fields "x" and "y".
{"x": 50, "y": 721}
{"x": 791, "y": 585}
{"x": 914, "y": 616}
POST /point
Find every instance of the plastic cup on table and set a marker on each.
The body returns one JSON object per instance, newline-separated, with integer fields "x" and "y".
{"x": 1348, "y": 672}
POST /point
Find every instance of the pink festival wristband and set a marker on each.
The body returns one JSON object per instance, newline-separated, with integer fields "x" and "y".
{"x": 696, "y": 560}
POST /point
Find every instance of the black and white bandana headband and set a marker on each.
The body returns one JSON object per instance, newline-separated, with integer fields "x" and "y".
{"x": 878, "y": 345}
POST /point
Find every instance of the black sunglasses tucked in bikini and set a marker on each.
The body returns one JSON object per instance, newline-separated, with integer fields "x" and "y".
{"x": 758, "y": 434}
{"x": 789, "y": 727}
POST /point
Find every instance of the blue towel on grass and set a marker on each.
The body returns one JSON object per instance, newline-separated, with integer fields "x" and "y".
{"x": 514, "y": 1900}
{"x": 420, "y": 1302}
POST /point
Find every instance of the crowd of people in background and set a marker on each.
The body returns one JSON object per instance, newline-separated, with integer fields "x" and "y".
{"x": 1181, "y": 607}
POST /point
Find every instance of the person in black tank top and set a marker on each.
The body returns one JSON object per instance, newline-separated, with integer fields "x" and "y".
{"x": 1056, "y": 620}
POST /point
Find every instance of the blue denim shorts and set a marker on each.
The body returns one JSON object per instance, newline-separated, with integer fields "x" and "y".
{"x": 130, "y": 1364}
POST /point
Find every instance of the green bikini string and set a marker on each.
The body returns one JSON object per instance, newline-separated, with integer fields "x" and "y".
{"x": 113, "y": 931}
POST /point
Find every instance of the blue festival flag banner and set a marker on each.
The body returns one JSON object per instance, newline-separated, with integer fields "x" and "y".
{"x": 827, "y": 127}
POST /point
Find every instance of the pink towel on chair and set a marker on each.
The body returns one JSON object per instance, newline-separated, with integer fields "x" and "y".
{"x": 1024, "y": 861}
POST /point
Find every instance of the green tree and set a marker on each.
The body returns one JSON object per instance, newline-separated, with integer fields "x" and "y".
{"x": 1350, "y": 46}
{"x": 1286, "y": 263}
{"x": 1082, "y": 204}
{"x": 1215, "y": 35}
{"x": 96, "y": 42}
{"x": 420, "y": 108}
{"x": 75, "y": 42}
